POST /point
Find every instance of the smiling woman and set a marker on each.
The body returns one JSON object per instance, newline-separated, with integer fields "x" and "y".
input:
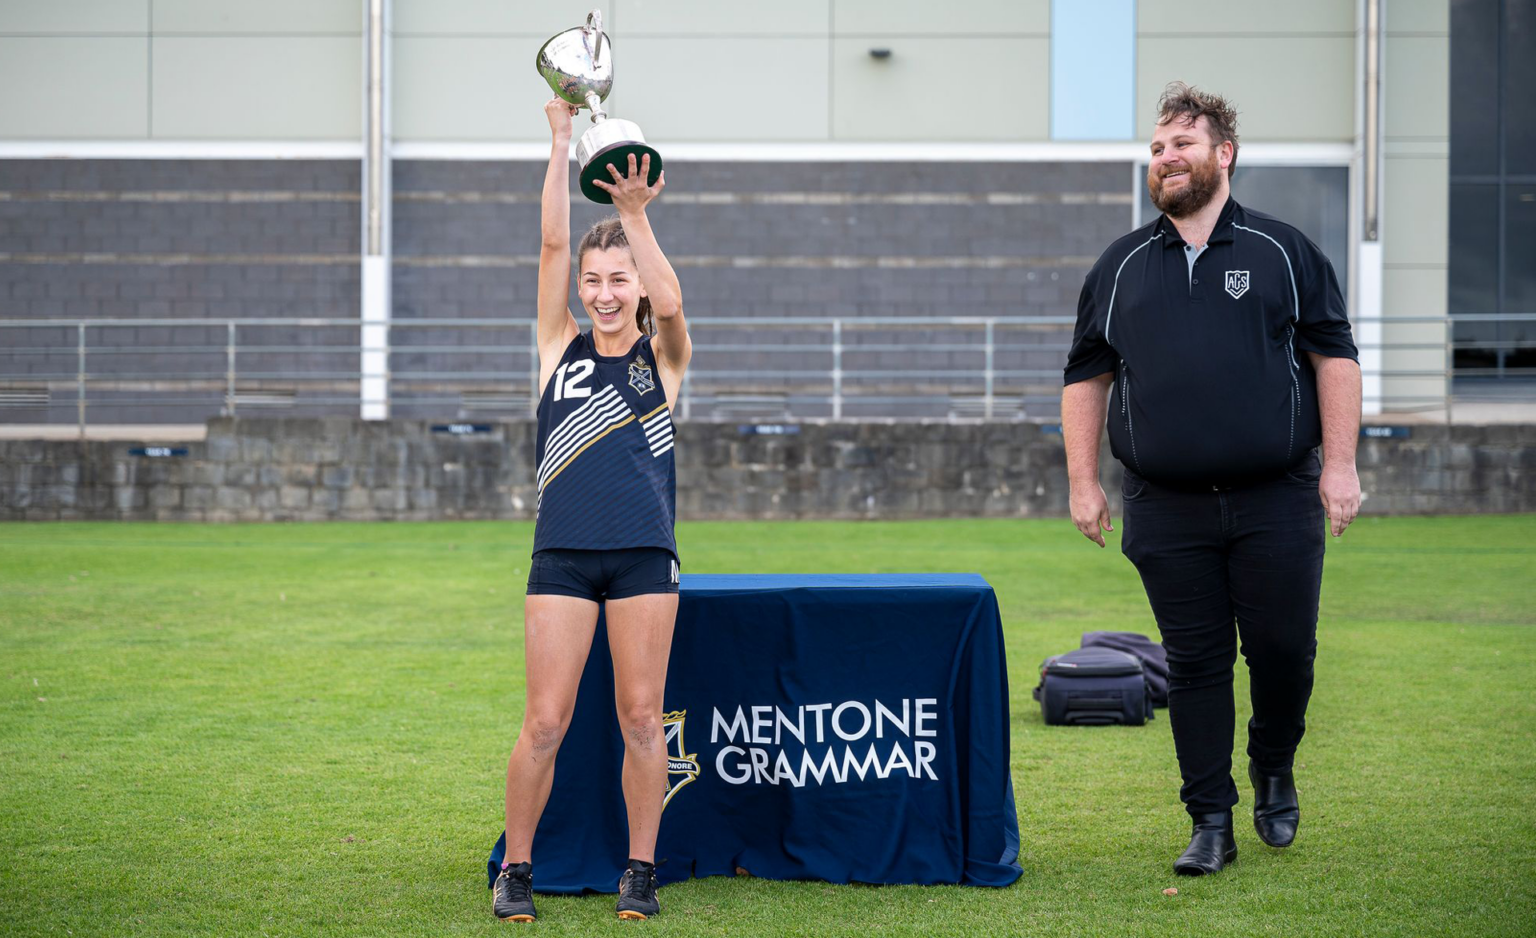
{"x": 607, "y": 493}
{"x": 609, "y": 282}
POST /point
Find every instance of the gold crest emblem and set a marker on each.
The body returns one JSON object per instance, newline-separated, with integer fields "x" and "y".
{"x": 680, "y": 762}
{"x": 640, "y": 378}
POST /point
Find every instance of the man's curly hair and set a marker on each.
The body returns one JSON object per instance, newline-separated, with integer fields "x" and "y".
{"x": 1187, "y": 104}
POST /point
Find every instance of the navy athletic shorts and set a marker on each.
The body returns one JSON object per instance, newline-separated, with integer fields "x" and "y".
{"x": 603, "y": 574}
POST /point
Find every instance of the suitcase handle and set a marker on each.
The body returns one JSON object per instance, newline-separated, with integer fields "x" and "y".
{"x": 1091, "y": 719}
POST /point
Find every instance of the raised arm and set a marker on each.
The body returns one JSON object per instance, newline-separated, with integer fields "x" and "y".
{"x": 557, "y": 327}
{"x": 630, "y": 196}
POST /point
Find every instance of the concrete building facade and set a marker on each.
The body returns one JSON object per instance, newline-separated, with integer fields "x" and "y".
{"x": 199, "y": 160}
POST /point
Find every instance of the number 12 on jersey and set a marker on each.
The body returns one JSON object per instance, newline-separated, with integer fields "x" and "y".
{"x": 569, "y": 385}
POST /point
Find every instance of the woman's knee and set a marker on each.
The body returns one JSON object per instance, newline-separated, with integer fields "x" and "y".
{"x": 544, "y": 730}
{"x": 640, "y": 722}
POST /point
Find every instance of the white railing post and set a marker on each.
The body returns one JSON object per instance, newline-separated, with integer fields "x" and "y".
{"x": 989, "y": 370}
{"x": 80, "y": 377}
{"x": 229, "y": 367}
{"x": 1450, "y": 366}
{"x": 837, "y": 369}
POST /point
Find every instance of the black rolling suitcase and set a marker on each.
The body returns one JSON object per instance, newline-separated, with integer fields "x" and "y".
{"x": 1154, "y": 660}
{"x": 1093, "y": 686}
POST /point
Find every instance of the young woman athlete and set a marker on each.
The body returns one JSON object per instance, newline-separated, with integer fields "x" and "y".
{"x": 607, "y": 494}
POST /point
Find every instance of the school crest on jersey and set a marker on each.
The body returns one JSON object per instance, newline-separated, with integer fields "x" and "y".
{"x": 640, "y": 377}
{"x": 680, "y": 762}
{"x": 1237, "y": 283}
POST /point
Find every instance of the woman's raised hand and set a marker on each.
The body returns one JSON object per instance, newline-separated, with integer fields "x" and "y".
{"x": 560, "y": 112}
{"x": 629, "y": 191}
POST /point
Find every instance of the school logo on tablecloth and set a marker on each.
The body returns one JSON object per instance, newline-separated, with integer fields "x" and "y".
{"x": 1237, "y": 283}
{"x": 640, "y": 377}
{"x": 682, "y": 765}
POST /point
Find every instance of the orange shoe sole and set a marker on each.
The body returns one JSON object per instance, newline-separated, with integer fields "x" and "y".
{"x": 629, "y": 916}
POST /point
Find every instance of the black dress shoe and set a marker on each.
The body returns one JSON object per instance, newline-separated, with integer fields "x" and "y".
{"x": 1275, "y": 810}
{"x": 1210, "y": 848}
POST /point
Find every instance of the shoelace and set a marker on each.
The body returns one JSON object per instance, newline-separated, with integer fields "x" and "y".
{"x": 515, "y": 888}
{"x": 637, "y": 885}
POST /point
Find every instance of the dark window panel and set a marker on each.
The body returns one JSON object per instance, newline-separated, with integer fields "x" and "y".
{"x": 1474, "y": 271}
{"x": 1520, "y": 251}
{"x": 1519, "y": 61}
{"x": 1474, "y": 248}
{"x": 1474, "y": 87}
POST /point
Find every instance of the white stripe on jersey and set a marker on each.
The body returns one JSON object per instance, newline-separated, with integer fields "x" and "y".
{"x": 575, "y": 416}
{"x": 659, "y": 440}
{"x": 658, "y": 431}
{"x": 605, "y": 410}
{"x": 598, "y": 418}
{"x": 595, "y": 416}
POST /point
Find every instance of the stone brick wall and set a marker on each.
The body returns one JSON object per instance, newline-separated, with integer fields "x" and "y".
{"x": 339, "y": 468}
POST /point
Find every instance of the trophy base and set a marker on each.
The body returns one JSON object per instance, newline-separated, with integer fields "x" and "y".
{"x": 617, "y": 154}
{"x": 612, "y": 142}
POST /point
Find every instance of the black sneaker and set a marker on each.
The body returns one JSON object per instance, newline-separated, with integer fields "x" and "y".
{"x": 512, "y": 896}
{"x": 637, "y": 891}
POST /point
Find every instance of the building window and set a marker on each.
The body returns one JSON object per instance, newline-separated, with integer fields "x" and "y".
{"x": 1492, "y": 277}
{"x": 1315, "y": 199}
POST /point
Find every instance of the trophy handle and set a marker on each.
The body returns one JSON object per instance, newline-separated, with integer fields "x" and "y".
{"x": 592, "y": 38}
{"x": 592, "y": 34}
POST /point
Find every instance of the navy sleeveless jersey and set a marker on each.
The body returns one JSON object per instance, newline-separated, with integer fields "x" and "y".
{"x": 606, "y": 477}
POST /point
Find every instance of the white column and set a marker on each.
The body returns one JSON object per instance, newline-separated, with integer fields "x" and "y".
{"x": 375, "y": 313}
{"x": 1368, "y": 250}
{"x": 1368, "y": 325}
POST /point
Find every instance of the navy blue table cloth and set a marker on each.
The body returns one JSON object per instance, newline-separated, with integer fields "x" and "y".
{"x": 841, "y": 728}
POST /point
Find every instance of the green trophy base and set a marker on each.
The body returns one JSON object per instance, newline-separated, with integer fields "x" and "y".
{"x": 618, "y": 156}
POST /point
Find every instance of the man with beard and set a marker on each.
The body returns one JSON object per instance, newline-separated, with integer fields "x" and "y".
{"x": 1219, "y": 340}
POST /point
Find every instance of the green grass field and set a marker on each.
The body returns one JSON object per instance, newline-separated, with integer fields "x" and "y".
{"x": 301, "y": 730}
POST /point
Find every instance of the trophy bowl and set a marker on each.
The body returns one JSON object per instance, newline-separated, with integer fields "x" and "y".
{"x": 578, "y": 65}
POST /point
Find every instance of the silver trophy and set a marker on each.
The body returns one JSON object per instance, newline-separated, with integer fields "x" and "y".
{"x": 578, "y": 64}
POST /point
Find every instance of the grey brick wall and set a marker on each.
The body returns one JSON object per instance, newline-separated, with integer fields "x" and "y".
{"x": 236, "y": 240}
{"x": 339, "y": 468}
{"x": 189, "y": 240}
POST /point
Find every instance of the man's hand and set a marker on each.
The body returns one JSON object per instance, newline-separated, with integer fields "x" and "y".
{"x": 560, "y": 112}
{"x": 1082, "y": 421}
{"x": 1090, "y": 511}
{"x": 1339, "y": 489}
{"x": 630, "y": 193}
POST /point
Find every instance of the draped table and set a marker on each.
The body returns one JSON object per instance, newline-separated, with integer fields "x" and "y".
{"x": 833, "y": 727}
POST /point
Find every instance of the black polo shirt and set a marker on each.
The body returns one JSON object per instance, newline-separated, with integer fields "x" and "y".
{"x": 1211, "y": 383}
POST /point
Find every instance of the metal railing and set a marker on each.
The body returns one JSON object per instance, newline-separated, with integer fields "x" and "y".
{"x": 744, "y": 368}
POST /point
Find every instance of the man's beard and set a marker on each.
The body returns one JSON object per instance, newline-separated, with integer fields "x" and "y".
{"x": 1201, "y": 186}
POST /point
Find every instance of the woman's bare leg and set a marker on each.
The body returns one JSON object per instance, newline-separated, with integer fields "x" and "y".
{"x": 557, "y": 635}
{"x": 640, "y": 640}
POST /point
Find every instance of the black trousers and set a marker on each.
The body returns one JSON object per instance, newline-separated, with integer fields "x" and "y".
{"x": 1219, "y": 565}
